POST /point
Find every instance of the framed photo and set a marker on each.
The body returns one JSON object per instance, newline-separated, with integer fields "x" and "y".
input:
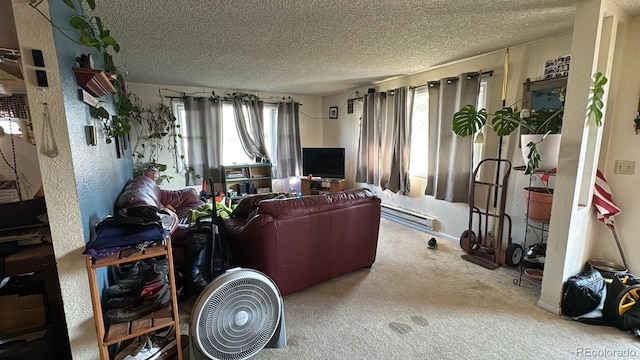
{"x": 333, "y": 112}
{"x": 557, "y": 68}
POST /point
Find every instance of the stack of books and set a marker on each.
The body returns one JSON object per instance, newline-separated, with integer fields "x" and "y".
{"x": 95, "y": 81}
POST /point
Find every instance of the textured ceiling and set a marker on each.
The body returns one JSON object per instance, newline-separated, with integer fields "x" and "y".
{"x": 318, "y": 47}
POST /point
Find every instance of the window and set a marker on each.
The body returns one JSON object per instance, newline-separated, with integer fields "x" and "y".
{"x": 232, "y": 151}
{"x": 479, "y": 140}
{"x": 419, "y": 133}
{"x": 181, "y": 151}
{"x": 11, "y": 126}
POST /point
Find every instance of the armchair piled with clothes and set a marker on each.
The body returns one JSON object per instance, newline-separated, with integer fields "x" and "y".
{"x": 184, "y": 203}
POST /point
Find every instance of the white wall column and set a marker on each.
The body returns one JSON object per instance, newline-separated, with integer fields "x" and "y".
{"x": 593, "y": 49}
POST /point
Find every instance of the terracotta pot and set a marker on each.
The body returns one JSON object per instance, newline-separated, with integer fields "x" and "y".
{"x": 539, "y": 202}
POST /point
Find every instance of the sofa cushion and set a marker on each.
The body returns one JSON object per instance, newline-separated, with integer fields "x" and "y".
{"x": 250, "y": 203}
{"x": 289, "y": 208}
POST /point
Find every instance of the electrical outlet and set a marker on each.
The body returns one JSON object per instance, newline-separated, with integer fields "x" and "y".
{"x": 627, "y": 167}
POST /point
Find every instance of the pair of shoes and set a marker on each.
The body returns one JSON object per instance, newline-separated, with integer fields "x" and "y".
{"x": 159, "y": 266}
{"x": 153, "y": 297}
{"x": 117, "y": 302}
{"x": 125, "y": 287}
{"x": 145, "y": 347}
{"x": 432, "y": 243}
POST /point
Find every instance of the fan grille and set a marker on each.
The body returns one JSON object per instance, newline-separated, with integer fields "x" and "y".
{"x": 238, "y": 319}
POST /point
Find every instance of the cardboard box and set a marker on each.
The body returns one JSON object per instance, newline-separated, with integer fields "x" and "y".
{"x": 21, "y": 313}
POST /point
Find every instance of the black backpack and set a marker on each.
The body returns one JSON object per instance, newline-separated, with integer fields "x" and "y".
{"x": 583, "y": 293}
{"x": 621, "y": 306}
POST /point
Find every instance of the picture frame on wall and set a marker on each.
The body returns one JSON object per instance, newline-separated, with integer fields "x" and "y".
{"x": 557, "y": 68}
{"x": 333, "y": 112}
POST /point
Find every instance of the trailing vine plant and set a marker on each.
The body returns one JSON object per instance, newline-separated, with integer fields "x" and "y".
{"x": 90, "y": 31}
{"x": 157, "y": 128}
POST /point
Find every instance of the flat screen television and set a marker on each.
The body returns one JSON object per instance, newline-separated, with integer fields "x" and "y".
{"x": 323, "y": 162}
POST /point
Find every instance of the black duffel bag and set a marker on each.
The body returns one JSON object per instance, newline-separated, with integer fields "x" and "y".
{"x": 583, "y": 293}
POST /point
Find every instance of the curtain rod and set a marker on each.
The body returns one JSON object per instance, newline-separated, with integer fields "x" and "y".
{"x": 490, "y": 73}
{"x": 224, "y": 99}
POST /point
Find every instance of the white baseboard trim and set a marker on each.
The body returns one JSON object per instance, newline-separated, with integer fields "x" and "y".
{"x": 552, "y": 309}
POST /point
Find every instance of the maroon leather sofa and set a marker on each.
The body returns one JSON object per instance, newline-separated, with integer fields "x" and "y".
{"x": 300, "y": 242}
{"x": 142, "y": 190}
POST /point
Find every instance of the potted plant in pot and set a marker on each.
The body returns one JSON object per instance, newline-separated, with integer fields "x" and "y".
{"x": 468, "y": 121}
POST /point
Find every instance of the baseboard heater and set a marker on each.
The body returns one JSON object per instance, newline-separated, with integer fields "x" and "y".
{"x": 409, "y": 218}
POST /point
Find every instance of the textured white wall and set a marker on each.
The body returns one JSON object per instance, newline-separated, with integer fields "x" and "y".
{"x": 82, "y": 182}
{"x": 34, "y": 32}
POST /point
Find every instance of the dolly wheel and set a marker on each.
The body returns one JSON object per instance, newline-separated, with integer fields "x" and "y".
{"x": 628, "y": 299}
{"x": 468, "y": 240}
{"x": 514, "y": 255}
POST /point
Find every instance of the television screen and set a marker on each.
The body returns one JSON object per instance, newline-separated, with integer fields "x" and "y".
{"x": 323, "y": 162}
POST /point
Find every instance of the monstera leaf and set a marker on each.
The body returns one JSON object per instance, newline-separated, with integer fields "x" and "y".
{"x": 468, "y": 121}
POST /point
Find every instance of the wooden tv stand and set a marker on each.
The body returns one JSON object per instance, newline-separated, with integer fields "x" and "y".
{"x": 317, "y": 186}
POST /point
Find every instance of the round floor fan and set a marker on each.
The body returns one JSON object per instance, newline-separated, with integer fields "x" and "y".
{"x": 238, "y": 314}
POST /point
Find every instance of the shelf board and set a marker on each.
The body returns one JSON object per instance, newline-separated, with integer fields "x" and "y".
{"x": 94, "y": 81}
{"x": 129, "y": 254}
{"x": 148, "y": 323}
{"x": 245, "y": 179}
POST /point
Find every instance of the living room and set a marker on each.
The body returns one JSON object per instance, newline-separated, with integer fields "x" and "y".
{"x": 77, "y": 205}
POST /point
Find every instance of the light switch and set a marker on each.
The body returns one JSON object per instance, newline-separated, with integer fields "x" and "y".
{"x": 627, "y": 167}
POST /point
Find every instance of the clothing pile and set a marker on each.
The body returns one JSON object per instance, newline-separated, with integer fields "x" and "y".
{"x": 138, "y": 226}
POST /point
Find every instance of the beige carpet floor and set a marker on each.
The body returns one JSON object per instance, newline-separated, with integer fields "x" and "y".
{"x": 417, "y": 303}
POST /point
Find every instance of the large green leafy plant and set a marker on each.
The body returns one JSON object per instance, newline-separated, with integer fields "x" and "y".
{"x": 156, "y": 128}
{"x": 89, "y": 30}
{"x": 468, "y": 120}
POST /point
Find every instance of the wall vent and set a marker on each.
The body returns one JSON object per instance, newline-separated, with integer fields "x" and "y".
{"x": 409, "y": 218}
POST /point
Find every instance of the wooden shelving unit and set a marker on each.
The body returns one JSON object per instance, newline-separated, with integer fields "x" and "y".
{"x": 246, "y": 179}
{"x": 321, "y": 186}
{"x": 167, "y": 316}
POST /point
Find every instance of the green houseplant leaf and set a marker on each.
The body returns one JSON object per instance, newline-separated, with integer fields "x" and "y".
{"x": 468, "y": 121}
{"x": 596, "y": 103}
{"x": 505, "y": 121}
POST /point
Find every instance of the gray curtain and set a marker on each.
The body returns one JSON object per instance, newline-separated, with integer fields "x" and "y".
{"x": 398, "y": 177}
{"x": 450, "y": 157}
{"x": 374, "y": 113}
{"x": 289, "y": 151}
{"x": 204, "y": 138}
{"x": 250, "y": 126}
{"x": 384, "y": 144}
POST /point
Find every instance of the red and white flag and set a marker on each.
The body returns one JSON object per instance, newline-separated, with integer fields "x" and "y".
{"x": 603, "y": 201}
